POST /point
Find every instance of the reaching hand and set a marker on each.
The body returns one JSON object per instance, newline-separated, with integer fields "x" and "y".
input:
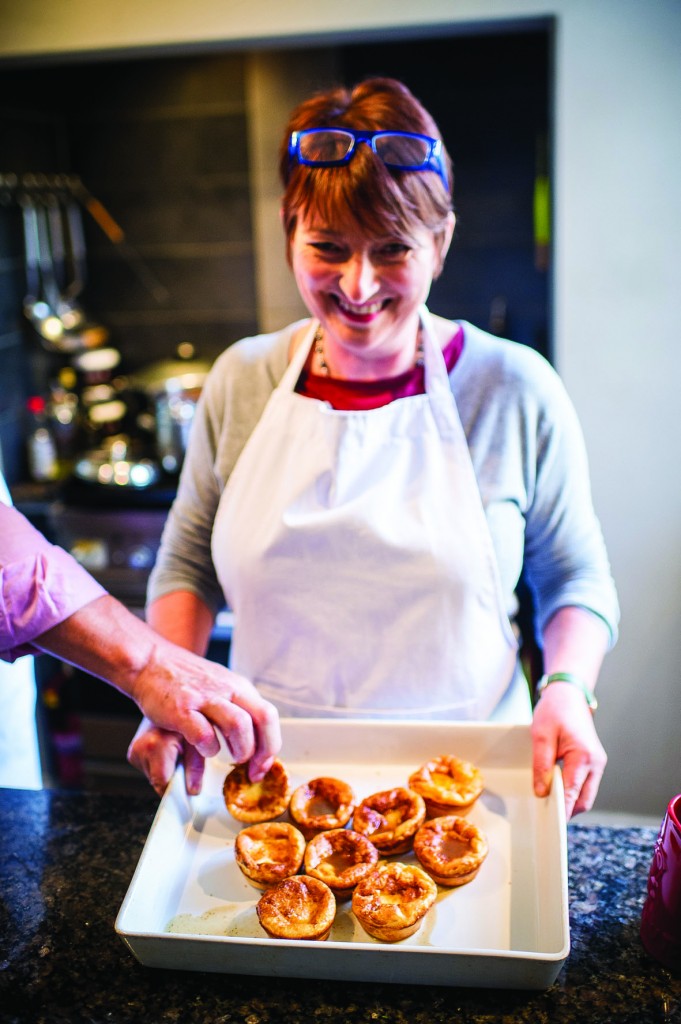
{"x": 189, "y": 699}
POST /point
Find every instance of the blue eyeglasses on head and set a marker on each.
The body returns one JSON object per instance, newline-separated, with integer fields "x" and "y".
{"x": 405, "y": 151}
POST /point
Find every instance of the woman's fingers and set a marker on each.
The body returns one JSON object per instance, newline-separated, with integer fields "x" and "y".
{"x": 563, "y": 730}
{"x": 582, "y": 774}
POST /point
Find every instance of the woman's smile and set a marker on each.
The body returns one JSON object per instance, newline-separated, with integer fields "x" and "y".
{"x": 362, "y": 313}
{"x": 366, "y": 292}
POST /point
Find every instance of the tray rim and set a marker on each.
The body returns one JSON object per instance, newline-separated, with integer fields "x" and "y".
{"x": 550, "y": 960}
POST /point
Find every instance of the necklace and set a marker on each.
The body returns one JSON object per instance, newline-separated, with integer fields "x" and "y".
{"x": 318, "y": 344}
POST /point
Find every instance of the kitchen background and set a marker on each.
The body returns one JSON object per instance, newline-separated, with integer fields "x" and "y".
{"x": 181, "y": 153}
{"x": 206, "y": 95}
{"x": 165, "y": 146}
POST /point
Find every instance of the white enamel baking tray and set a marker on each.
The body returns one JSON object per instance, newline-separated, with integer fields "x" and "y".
{"x": 189, "y": 907}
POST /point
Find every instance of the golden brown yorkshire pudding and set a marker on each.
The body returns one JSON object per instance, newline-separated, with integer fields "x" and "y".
{"x": 321, "y": 804}
{"x": 390, "y": 819}
{"x": 447, "y": 784}
{"x": 451, "y": 849}
{"x": 391, "y": 902}
{"x": 341, "y": 858}
{"x": 257, "y": 801}
{"x": 269, "y": 852}
{"x": 298, "y": 908}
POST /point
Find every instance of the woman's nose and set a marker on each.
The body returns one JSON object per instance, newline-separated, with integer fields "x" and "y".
{"x": 358, "y": 279}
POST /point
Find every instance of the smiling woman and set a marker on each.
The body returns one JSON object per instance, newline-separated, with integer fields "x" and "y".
{"x": 367, "y": 292}
{"x": 367, "y": 211}
{"x": 377, "y": 474}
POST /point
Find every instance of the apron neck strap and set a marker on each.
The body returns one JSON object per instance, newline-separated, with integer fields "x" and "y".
{"x": 436, "y": 375}
{"x": 435, "y": 368}
{"x": 295, "y": 367}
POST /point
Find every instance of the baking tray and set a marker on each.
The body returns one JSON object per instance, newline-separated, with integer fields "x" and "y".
{"x": 189, "y": 907}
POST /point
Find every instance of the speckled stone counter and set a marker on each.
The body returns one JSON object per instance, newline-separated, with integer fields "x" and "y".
{"x": 66, "y": 861}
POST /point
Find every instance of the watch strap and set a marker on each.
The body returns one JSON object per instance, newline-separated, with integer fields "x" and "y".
{"x": 567, "y": 677}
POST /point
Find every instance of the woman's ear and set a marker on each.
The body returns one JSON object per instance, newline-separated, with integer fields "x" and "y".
{"x": 447, "y": 235}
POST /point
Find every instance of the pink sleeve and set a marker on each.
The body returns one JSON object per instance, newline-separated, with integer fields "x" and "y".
{"x": 40, "y": 584}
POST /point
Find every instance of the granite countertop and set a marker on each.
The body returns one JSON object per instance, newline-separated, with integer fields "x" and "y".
{"x": 67, "y": 859}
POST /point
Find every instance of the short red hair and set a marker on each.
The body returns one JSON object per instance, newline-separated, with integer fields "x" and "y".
{"x": 377, "y": 198}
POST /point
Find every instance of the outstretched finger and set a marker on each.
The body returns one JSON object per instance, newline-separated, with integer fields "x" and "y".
{"x": 155, "y": 752}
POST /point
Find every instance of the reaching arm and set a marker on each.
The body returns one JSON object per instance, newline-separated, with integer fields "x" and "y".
{"x": 48, "y": 602}
{"x": 185, "y": 697}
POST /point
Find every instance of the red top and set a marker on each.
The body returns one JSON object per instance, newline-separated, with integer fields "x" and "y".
{"x": 357, "y": 395}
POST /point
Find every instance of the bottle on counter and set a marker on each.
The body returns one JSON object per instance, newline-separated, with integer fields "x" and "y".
{"x": 43, "y": 460}
{"x": 64, "y": 421}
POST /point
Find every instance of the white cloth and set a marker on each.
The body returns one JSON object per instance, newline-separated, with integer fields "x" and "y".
{"x": 355, "y": 553}
{"x": 19, "y": 750}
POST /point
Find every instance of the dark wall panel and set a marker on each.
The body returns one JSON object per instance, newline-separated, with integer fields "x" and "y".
{"x": 490, "y": 96}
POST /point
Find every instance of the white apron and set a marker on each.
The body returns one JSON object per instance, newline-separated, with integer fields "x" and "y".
{"x": 354, "y": 551}
{"x": 19, "y": 751}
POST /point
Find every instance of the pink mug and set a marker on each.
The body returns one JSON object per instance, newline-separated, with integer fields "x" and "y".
{"x": 661, "y": 918}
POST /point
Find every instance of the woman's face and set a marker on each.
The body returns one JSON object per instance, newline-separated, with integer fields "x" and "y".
{"x": 365, "y": 291}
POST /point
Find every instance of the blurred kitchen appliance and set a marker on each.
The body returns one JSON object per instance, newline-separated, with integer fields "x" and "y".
{"x": 174, "y": 387}
{"x": 118, "y": 545}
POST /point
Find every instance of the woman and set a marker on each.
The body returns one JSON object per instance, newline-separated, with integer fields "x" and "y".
{"x": 365, "y": 487}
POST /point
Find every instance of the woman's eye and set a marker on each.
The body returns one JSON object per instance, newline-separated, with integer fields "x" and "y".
{"x": 394, "y": 250}
{"x": 325, "y": 248}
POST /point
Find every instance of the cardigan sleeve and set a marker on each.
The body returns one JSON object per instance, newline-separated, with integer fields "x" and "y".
{"x": 531, "y": 465}
{"x": 234, "y": 396}
{"x": 566, "y": 561}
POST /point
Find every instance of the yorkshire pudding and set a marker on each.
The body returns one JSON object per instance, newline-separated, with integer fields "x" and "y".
{"x": 390, "y": 819}
{"x": 341, "y": 858}
{"x": 447, "y": 784}
{"x": 300, "y": 907}
{"x": 321, "y": 804}
{"x": 391, "y": 902}
{"x": 451, "y": 849}
{"x": 257, "y": 801}
{"x": 269, "y": 852}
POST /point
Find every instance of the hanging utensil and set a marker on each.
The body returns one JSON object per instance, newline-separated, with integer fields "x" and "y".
{"x": 76, "y": 248}
{"x": 48, "y": 279}
{"x": 61, "y": 325}
{"x": 72, "y": 315}
{"x": 36, "y": 308}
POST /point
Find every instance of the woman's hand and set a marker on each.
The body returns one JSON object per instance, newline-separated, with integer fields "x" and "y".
{"x": 189, "y": 700}
{"x": 563, "y": 730}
